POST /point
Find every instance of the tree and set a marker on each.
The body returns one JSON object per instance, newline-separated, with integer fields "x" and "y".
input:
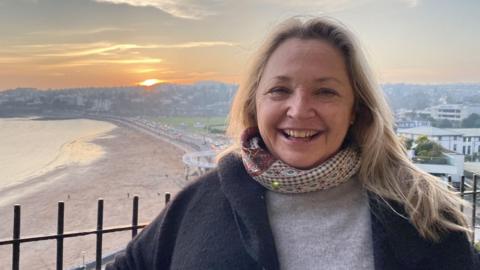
{"x": 407, "y": 142}
{"x": 472, "y": 121}
{"x": 426, "y": 148}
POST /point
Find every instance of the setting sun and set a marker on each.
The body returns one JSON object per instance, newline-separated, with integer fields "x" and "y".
{"x": 150, "y": 82}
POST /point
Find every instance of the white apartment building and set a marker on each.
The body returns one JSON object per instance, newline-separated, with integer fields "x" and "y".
{"x": 448, "y": 139}
{"x": 464, "y": 141}
{"x": 471, "y": 140}
{"x": 453, "y": 112}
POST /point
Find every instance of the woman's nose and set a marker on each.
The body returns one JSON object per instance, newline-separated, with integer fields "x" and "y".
{"x": 300, "y": 106}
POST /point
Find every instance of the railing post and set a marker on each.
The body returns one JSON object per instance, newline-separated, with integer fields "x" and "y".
{"x": 135, "y": 216}
{"x": 450, "y": 182}
{"x": 16, "y": 236}
{"x": 167, "y": 197}
{"x": 98, "y": 260}
{"x": 462, "y": 190}
{"x": 474, "y": 206}
{"x": 60, "y": 227}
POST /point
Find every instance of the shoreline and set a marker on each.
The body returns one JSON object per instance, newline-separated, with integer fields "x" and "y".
{"x": 134, "y": 163}
{"x": 32, "y": 149}
{"x": 35, "y": 178}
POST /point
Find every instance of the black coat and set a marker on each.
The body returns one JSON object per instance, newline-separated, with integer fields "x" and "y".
{"x": 220, "y": 222}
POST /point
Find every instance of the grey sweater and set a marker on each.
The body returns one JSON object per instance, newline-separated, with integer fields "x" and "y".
{"x": 327, "y": 229}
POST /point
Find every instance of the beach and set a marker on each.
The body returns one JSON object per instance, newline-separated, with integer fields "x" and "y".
{"x": 133, "y": 163}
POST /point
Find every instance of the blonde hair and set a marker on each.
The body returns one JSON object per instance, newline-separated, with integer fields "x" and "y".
{"x": 385, "y": 169}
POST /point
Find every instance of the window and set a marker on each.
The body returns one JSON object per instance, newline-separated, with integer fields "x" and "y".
{"x": 469, "y": 150}
{"x": 455, "y": 148}
{"x": 463, "y": 150}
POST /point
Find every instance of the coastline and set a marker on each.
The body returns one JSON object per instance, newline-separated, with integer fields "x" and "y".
{"x": 134, "y": 163}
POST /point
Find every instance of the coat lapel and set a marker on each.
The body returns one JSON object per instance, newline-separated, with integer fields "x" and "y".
{"x": 247, "y": 199}
{"x": 396, "y": 242}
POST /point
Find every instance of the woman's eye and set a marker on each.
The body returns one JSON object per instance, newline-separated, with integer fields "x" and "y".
{"x": 278, "y": 91}
{"x": 326, "y": 92}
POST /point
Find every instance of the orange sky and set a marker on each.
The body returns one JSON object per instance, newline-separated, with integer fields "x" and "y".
{"x": 82, "y": 43}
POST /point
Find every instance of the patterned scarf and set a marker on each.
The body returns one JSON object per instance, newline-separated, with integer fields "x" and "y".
{"x": 278, "y": 176}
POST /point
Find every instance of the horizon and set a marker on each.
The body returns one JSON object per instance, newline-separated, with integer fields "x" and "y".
{"x": 50, "y": 44}
{"x": 210, "y": 81}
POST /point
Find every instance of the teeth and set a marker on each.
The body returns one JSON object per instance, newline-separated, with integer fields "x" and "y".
{"x": 300, "y": 133}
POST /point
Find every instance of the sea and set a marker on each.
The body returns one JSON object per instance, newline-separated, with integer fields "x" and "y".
{"x": 31, "y": 147}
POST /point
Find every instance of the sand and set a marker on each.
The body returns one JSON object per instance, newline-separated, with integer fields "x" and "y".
{"x": 134, "y": 163}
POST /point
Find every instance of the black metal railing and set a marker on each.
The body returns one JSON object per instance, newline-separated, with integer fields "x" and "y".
{"x": 135, "y": 226}
{"x": 61, "y": 235}
{"x": 461, "y": 190}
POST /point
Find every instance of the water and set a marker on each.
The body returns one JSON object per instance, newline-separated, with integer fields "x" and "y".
{"x": 31, "y": 148}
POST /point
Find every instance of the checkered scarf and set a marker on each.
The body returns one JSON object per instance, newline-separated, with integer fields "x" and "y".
{"x": 276, "y": 175}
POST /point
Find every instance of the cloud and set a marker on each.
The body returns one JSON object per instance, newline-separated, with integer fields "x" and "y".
{"x": 13, "y": 59}
{"x": 185, "y": 9}
{"x": 98, "y": 62}
{"x": 151, "y": 70}
{"x": 80, "y": 32}
{"x": 411, "y": 3}
{"x": 67, "y": 55}
{"x": 90, "y": 49}
{"x": 103, "y": 48}
{"x": 195, "y": 44}
{"x": 144, "y": 70}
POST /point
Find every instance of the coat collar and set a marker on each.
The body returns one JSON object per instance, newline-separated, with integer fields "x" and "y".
{"x": 247, "y": 199}
{"x": 396, "y": 242}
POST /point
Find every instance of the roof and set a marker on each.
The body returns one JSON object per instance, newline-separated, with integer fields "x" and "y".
{"x": 430, "y": 131}
{"x": 467, "y": 132}
{"x": 473, "y": 167}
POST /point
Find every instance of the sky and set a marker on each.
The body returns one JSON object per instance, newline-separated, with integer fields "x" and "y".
{"x": 106, "y": 43}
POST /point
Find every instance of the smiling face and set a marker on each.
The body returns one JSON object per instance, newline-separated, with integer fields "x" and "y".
{"x": 304, "y": 102}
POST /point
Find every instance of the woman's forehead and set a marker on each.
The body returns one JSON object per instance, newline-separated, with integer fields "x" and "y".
{"x": 316, "y": 59}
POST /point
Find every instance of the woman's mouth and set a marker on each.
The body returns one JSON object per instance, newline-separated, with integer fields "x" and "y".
{"x": 300, "y": 134}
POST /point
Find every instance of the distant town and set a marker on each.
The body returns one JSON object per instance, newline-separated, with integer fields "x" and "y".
{"x": 447, "y": 115}
{"x": 200, "y": 99}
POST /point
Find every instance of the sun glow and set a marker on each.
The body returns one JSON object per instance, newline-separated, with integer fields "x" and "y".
{"x": 150, "y": 82}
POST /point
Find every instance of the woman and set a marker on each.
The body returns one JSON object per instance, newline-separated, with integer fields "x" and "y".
{"x": 316, "y": 178}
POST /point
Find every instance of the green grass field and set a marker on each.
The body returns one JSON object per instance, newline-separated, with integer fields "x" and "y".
{"x": 195, "y": 124}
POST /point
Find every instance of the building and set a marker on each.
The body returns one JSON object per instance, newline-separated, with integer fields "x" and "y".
{"x": 452, "y": 163}
{"x": 453, "y": 112}
{"x": 447, "y": 138}
{"x": 464, "y": 141}
{"x": 412, "y": 123}
{"x": 470, "y": 138}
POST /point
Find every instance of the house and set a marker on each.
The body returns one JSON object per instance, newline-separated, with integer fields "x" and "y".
{"x": 447, "y": 138}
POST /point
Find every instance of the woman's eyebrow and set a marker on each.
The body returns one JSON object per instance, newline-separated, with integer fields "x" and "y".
{"x": 327, "y": 79}
{"x": 281, "y": 78}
